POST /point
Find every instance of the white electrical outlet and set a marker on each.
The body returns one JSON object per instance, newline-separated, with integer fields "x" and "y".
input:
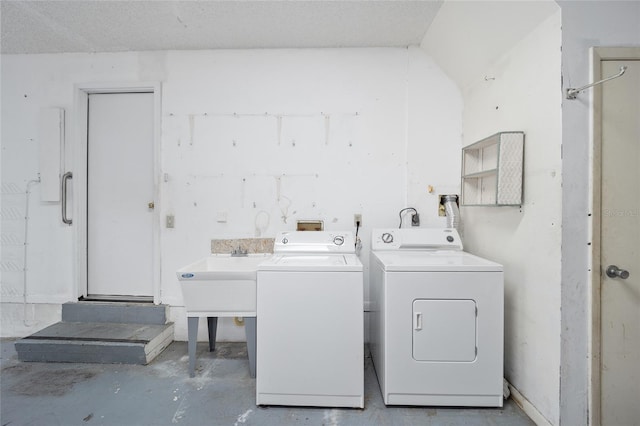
{"x": 171, "y": 221}
{"x": 357, "y": 218}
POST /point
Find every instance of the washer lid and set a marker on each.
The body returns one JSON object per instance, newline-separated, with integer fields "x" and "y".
{"x": 435, "y": 261}
{"x": 312, "y": 263}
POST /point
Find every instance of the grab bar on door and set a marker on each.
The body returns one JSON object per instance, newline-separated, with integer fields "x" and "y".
{"x": 65, "y": 178}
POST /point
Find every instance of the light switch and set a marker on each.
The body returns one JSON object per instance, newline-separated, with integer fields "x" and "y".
{"x": 170, "y": 221}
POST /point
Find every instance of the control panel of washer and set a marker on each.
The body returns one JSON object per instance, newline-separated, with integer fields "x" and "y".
{"x": 416, "y": 239}
{"x": 314, "y": 242}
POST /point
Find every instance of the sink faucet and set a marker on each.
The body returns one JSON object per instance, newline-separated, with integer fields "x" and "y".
{"x": 238, "y": 252}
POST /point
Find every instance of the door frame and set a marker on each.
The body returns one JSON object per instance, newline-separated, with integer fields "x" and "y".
{"x": 598, "y": 55}
{"x": 79, "y": 168}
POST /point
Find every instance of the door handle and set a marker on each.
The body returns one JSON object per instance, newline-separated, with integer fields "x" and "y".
{"x": 151, "y": 205}
{"x": 65, "y": 178}
{"x": 614, "y": 272}
{"x": 417, "y": 321}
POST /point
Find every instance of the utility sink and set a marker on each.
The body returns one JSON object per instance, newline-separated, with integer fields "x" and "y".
{"x": 221, "y": 285}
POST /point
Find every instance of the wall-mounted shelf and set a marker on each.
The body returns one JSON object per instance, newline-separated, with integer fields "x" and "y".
{"x": 492, "y": 170}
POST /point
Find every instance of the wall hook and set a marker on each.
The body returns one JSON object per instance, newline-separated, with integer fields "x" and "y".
{"x": 573, "y": 93}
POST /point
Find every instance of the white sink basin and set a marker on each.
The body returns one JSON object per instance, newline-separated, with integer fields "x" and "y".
{"x": 221, "y": 285}
{"x": 222, "y": 267}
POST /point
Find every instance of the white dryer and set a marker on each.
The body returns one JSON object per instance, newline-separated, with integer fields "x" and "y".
{"x": 310, "y": 338}
{"x": 436, "y": 320}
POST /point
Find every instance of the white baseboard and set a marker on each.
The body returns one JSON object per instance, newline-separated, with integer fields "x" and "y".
{"x": 528, "y": 407}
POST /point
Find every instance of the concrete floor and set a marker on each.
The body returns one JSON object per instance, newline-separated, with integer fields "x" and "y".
{"x": 162, "y": 393}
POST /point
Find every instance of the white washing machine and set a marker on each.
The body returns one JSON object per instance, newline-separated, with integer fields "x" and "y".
{"x": 436, "y": 320}
{"x": 310, "y": 338}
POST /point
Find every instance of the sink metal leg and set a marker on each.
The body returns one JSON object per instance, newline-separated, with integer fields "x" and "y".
{"x": 192, "y": 329}
{"x": 250, "y": 331}
{"x": 212, "y": 324}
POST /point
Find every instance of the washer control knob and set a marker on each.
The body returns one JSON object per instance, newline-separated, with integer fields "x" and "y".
{"x": 285, "y": 240}
{"x": 450, "y": 238}
{"x": 387, "y": 238}
{"x": 338, "y": 240}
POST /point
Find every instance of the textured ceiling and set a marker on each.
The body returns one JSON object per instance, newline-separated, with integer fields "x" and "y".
{"x": 115, "y": 26}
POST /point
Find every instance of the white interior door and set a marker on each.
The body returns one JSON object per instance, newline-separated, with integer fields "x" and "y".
{"x": 120, "y": 189}
{"x": 620, "y": 246}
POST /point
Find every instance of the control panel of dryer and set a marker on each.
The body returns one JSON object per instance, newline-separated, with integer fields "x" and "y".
{"x": 416, "y": 239}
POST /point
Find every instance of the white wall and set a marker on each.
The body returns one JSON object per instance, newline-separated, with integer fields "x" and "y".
{"x": 381, "y": 104}
{"x": 519, "y": 89}
{"x": 585, "y": 24}
{"x": 433, "y": 152}
{"x": 31, "y": 82}
{"x": 468, "y": 36}
{"x": 526, "y": 96}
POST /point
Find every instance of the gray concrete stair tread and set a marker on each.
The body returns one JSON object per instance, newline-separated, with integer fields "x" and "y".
{"x": 121, "y": 343}
{"x": 92, "y": 311}
{"x": 100, "y": 331}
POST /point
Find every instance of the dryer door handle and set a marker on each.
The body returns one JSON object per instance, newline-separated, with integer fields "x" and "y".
{"x": 417, "y": 320}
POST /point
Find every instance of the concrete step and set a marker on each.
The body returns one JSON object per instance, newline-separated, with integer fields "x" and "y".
{"x": 96, "y": 342}
{"x": 136, "y": 313}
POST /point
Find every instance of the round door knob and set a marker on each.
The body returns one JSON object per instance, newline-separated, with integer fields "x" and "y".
{"x": 614, "y": 272}
{"x": 151, "y": 205}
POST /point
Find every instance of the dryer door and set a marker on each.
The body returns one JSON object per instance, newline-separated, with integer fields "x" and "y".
{"x": 444, "y": 330}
